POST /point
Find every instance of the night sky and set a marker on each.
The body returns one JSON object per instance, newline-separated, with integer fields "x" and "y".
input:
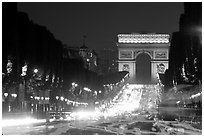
{"x": 101, "y": 22}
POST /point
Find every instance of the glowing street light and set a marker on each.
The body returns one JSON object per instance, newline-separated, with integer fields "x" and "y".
{"x": 14, "y": 95}
{"x": 61, "y": 98}
{"x": 87, "y": 89}
{"x": 24, "y": 70}
{"x": 37, "y": 98}
{"x": 73, "y": 84}
{"x": 47, "y": 98}
{"x": 35, "y": 70}
{"x": 6, "y": 94}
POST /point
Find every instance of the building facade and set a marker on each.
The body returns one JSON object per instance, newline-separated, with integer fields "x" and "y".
{"x": 89, "y": 58}
{"x": 143, "y": 56}
{"x": 108, "y": 61}
{"x": 185, "y": 62}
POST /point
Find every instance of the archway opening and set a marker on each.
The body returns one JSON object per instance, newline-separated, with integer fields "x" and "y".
{"x": 143, "y": 69}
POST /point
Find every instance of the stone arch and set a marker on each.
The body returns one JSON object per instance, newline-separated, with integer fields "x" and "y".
{"x": 144, "y": 51}
{"x": 154, "y": 46}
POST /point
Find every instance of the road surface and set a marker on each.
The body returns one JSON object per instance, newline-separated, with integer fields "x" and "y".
{"x": 132, "y": 112}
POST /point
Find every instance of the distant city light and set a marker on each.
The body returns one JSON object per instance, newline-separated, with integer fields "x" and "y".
{"x": 14, "y": 95}
{"x": 61, "y": 98}
{"x": 47, "y": 77}
{"x": 9, "y": 66}
{"x": 24, "y": 70}
{"x": 87, "y": 89}
{"x": 178, "y": 102}
{"x": 74, "y": 84}
{"x": 96, "y": 102}
{"x": 61, "y": 118}
{"x": 5, "y": 94}
{"x": 129, "y": 100}
{"x": 195, "y": 95}
{"x": 35, "y": 70}
{"x": 47, "y": 98}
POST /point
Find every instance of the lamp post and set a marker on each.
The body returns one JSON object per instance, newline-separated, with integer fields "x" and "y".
{"x": 62, "y": 103}
{"x": 5, "y": 101}
{"x": 23, "y": 92}
{"x": 36, "y": 98}
{"x": 36, "y": 107}
{"x": 57, "y": 98}
{"x": 14, "y": 95}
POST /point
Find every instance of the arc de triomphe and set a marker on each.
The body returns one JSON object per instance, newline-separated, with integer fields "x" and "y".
{"x": 143, "y": 55}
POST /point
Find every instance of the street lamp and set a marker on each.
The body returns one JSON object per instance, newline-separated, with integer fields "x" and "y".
{"x": 37, "y": 104}
{"x": 6, "y": 94}
{"x": 57, "y": 97}
{"x": 47, "y": 98}
{"x": 35, "y": 70}
{"x": 23, "y": 74}
{"x": 61, "y": 98}
{"x": 14, "y": 95}
{"x": 73, "y": 84}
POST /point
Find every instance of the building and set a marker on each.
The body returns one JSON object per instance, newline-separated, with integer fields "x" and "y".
{"x": 71, "y": 52}
{"x": 185, "y": 62}
{"x": 108, "y": 61}
{"x": 144, "y": 56}
{"x": 89, "y": 58}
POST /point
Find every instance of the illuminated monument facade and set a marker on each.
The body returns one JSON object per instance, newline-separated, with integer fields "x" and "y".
{"x": 143, "y": 56}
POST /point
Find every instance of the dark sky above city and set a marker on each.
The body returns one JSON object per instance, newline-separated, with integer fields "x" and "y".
{"x": 101, "y": 22}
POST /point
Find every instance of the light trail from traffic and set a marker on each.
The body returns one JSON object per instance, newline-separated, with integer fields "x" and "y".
{"x": 23, "y": 121}
{"x": 129, "y": 99}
